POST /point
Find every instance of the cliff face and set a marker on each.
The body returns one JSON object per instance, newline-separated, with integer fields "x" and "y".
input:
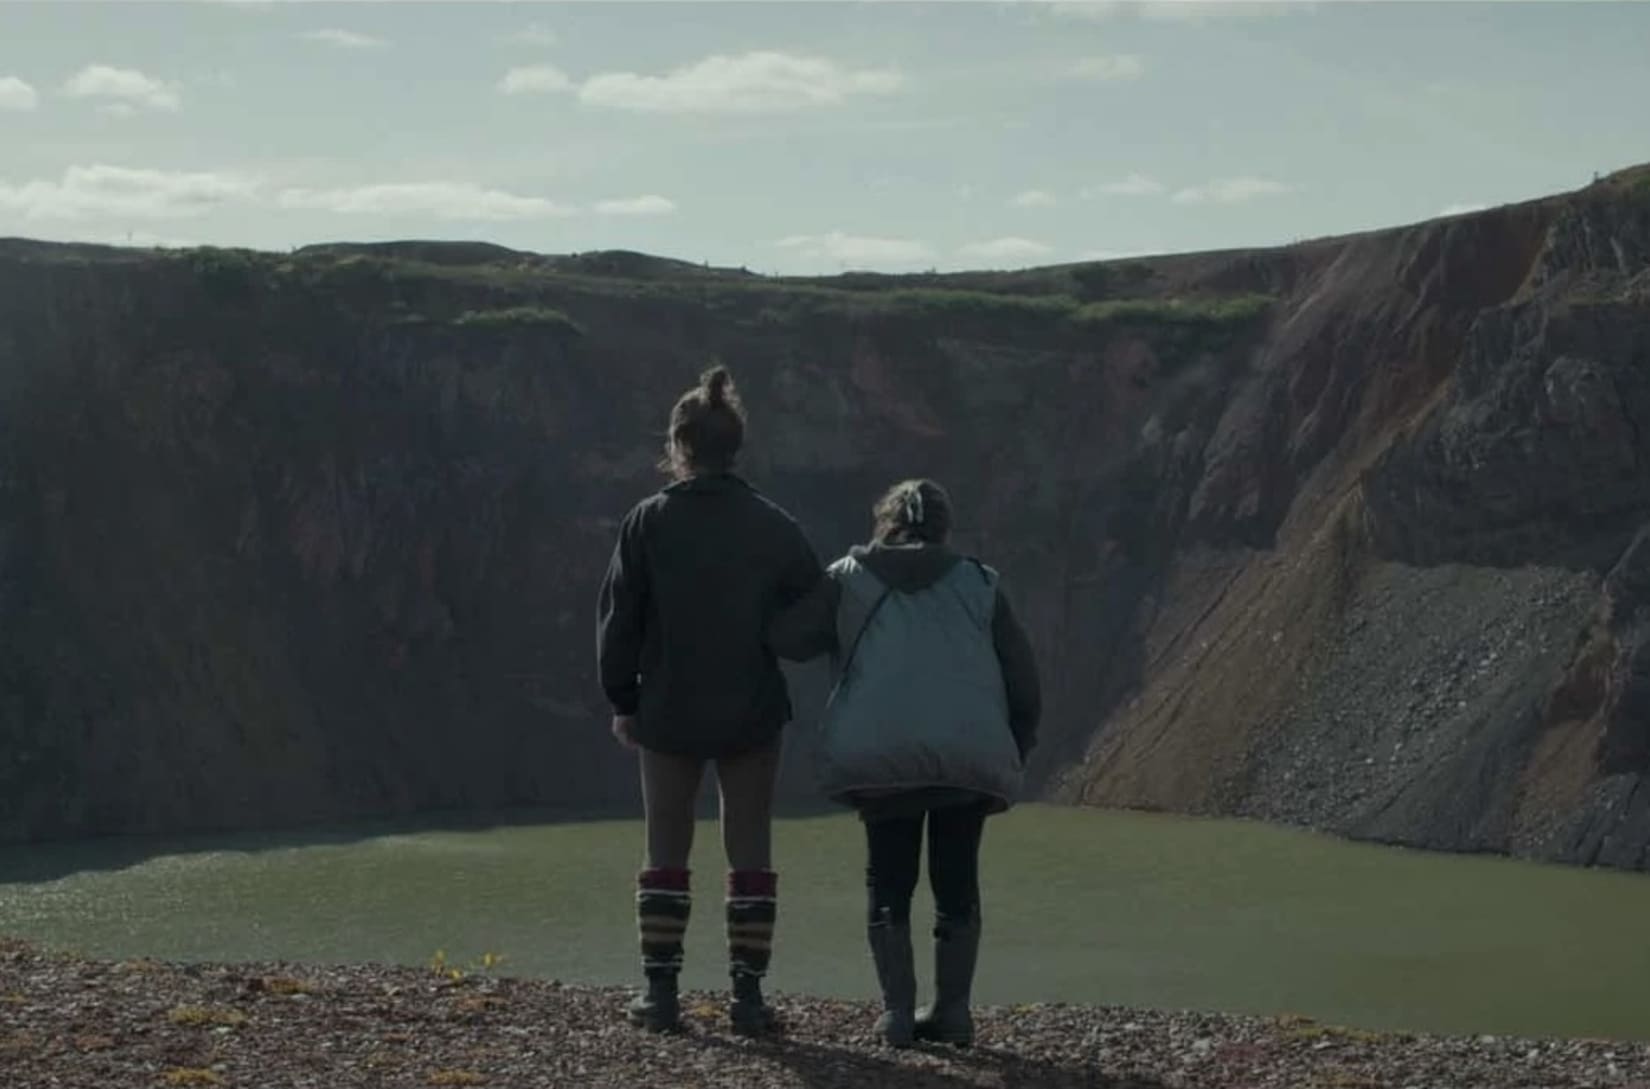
{"x": 301, "y": 538}
{"x": 1346, "y": 534}
{"x": 1425, "y": 624}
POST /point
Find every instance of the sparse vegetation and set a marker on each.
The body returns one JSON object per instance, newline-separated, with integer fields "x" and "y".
{"x": 227, "y": 275}
{"x": 515, "y": 317}
{"x": 456, "y": 1077}
{"x": 206, "y": 1016}
{"x": 943, "y": 301}
{"x": 1233, "y": 309}
{"x": 285, "y": 985}
{"x": 442, "y": 966}
{"x": 189, "y": 1075}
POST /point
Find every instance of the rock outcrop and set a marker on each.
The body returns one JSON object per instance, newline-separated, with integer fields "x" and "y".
{"x": 1353, "y": 533}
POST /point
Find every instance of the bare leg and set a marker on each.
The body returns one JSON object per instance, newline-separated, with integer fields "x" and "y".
{"x": 670, "y": 786}
{"x": 747, "y": 788}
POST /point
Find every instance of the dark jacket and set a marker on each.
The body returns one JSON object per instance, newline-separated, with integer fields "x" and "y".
{"x": 698, "y": 573}
{"x": 814, "y": 626}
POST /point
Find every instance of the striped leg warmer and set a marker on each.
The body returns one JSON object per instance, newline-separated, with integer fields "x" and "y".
{"x": 752, "y": 905}
{"x": 663, "y": 904}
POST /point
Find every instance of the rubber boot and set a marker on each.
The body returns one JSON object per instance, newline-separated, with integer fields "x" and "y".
{"x": 752, "y": 907}
{"x": 897, "y": 976}
{"x": 659, "y": 1009}
{"x": 749, "y": 1013}
{"x": 956, "y": 951}
{"x": 663, "y": 905}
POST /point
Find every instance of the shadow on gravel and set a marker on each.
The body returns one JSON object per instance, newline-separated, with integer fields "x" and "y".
{"x": 1019, "y": 1070}
{"x": 821, "y": 1066}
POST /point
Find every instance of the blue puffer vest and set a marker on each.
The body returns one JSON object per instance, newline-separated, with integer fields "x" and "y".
{"x": 919, "y": 699}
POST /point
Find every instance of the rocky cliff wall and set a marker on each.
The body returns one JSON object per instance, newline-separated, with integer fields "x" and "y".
{"x": 1349, "y": 534}
{"x": 303, "y": 538}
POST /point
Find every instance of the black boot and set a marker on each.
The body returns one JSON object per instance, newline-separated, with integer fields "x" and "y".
{"x": 897, "y": 975}
{"x": 659, "y": 1009}
{"x": 956, "y": 950}
{"x": 749, "y": 1013}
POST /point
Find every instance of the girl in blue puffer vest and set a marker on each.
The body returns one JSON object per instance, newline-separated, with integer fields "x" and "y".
{"x": 933, "y": 713}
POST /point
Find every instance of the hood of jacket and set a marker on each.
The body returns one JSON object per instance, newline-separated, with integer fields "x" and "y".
{"x": 907, "y": 568}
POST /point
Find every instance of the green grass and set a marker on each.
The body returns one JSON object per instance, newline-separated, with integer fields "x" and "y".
{"x": 943, "y": 301}
{"x": 517, "y": 294}
{"x": 1230, "y": 310}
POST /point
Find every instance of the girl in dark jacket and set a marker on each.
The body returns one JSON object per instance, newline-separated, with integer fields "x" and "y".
{"x": 933, "y": 714}
{"x": 699, "y": 571}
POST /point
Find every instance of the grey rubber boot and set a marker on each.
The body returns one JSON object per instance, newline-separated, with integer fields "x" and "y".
{"x": 659, "y": 1009}
{"x": 956, "y": 951}
{"x": 897, "y": 976}
{"x": 749, "y": 1013}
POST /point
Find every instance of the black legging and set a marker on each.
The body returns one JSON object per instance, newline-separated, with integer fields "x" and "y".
{"x": 894, "y": 861}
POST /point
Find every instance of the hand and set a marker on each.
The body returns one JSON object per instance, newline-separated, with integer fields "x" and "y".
{"x": 624, "y": 731}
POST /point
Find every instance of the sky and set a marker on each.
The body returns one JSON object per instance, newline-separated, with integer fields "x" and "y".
{"x": 803, "y": 137}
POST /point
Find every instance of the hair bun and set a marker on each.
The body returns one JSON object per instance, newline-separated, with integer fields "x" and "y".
{"x": 717, "y": 384}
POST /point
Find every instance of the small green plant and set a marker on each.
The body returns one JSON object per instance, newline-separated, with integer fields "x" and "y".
{"x": 441, "y": 965}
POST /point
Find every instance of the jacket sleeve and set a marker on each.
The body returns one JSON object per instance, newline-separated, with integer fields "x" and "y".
{"x": 807, "y": 628}
{"x": 800, "y": 572}
{"x": 1019, "y": 665}
{"x": 621, "y": 617}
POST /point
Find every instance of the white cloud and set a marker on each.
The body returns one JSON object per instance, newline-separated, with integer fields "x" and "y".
{"x": 1094, "y": 10}
{"x": 759, "y": 82}
{"x": 1135, "y": 185}
{"x": 837, "y": 246}
{"x": 1462, "y": 209}
{"x": 85, "y": 192}
{"x": 1197, "y": 11}
{"x": 1108, "y": 69}
{"x": 535, "y": 34}
{"x": 345, "y": 39}
{"x": 650, "y": 205}
{"x": 1006, "y": 249}
{"x": 1232, "y": 191}
{"x": 1034, "y": 198}
{"x": 534, "y": 79}
{"x": 17, "y": 95}
{"x": 1186, "y": 11}
{"x": 122, "y": 87}
{"x": 439, "y": 200}
{"x": 146, "y": 239}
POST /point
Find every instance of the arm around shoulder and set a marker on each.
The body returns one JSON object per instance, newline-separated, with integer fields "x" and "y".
{"x": 807, "y": 628}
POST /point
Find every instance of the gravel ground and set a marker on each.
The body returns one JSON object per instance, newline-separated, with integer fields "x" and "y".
{"x": 73, "y": 1023}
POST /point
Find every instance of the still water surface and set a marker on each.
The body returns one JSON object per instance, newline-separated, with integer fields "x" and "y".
{"x": 1081, "y": 906}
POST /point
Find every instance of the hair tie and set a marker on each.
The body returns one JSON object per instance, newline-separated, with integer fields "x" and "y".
{"x": 913, "y": 507}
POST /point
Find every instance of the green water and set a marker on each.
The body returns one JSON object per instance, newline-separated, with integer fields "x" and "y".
{"x": 1081, "y": 906}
